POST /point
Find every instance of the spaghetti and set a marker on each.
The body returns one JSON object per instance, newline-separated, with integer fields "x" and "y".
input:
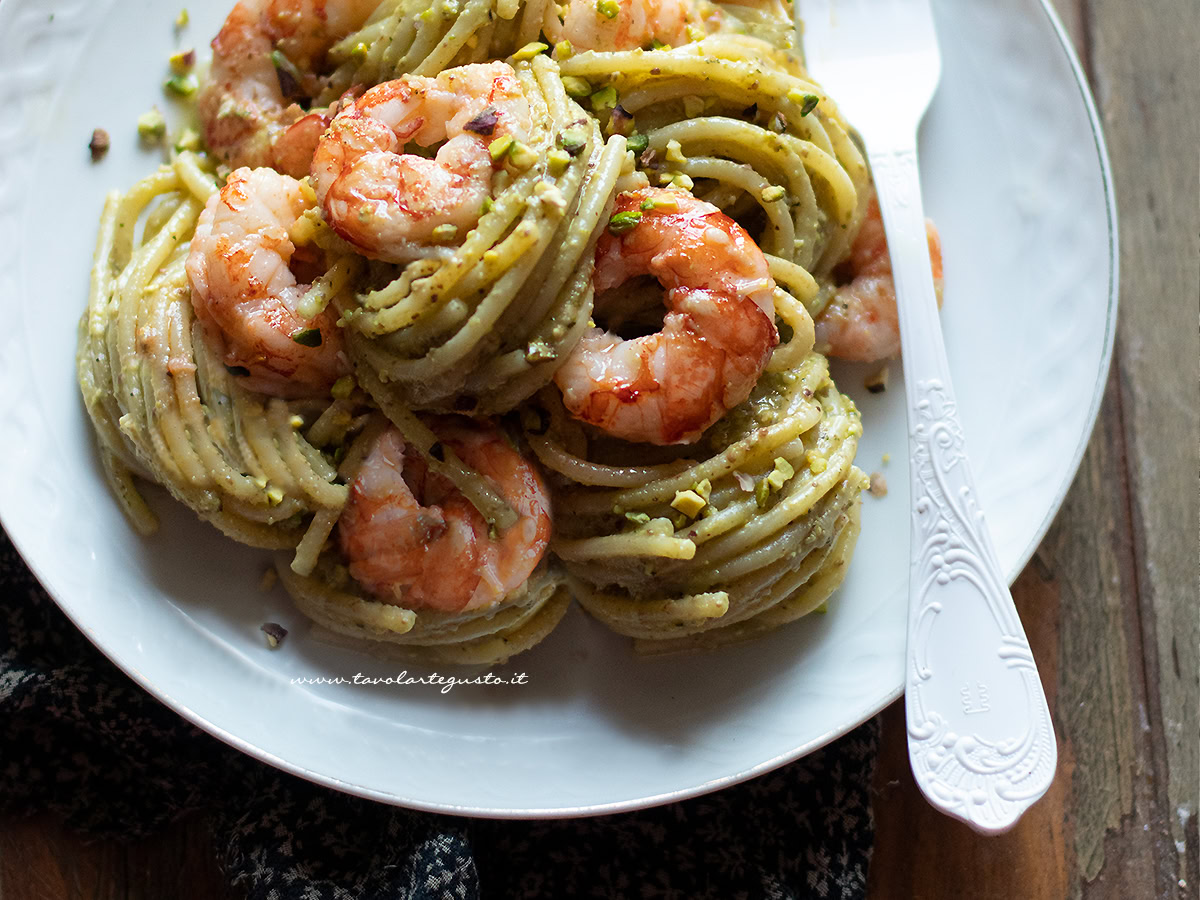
{"x": 714, "y": 534}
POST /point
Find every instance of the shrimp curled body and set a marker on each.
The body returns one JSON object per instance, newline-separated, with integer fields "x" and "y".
{"x": 248, "y": 117}
{"x": 385, "y": 201}
{"x": 717, "y": 336}
{"x": 243, "y": 287}
{"x": 410, "y": 537}
{"x": 861, "y": 322}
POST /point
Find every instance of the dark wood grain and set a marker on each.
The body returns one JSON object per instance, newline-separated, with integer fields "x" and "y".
{"x": 1145, "y": 59}
{"x": 1109, "y": 600}
{"x": 40, "y": 859}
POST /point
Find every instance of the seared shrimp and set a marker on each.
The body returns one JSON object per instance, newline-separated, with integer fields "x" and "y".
{"x": 623, "y": 24}
{"x": 385, "y": 201}
{"x": 249, "y": 119}
{"x": 243, "y": 286}
{"x": 411, "y": 538}
{"x": 667, "y": 387}
{"x": 861, "y": 322}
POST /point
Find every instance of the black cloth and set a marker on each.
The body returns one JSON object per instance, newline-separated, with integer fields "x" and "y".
{"x": 80, "y": 739}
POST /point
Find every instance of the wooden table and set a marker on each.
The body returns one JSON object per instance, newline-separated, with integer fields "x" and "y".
{"x": 1109, "y": 600}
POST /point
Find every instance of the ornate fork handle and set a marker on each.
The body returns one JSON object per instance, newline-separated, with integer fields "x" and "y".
{"x": 979, "y": 732}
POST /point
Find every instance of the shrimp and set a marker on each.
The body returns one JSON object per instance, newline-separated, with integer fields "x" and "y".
{"x": 240, "y": 266}
{"x": 249, "y": 118}
{"x": 667, "y": 387}
{"x": 385, "y": 201}
{"x": 623, "y": 24}
{"x": 410, "y": 537}
{"x": 861, "y": 322}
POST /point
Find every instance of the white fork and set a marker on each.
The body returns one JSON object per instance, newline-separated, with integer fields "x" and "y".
{"x": 980, "y": 739}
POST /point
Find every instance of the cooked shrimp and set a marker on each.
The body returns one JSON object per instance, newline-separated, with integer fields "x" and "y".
{"x": 243, "y": 287}
{"x": 667, "y": 387}
{"x": 411, "y": 537}
{"x": 246, "y": 112}
{"x": 861, "y": 322}
{"x": 386, "y": 201}
{"x": 623, "y": 24}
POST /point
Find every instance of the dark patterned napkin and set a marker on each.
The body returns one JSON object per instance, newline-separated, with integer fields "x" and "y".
{"x": 81, "y": 739}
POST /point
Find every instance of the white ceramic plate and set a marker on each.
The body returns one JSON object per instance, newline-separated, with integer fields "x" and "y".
{"x": 1016, "y": 176}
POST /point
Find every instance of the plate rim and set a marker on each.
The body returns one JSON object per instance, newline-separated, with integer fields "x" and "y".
{"x": 873, "y": 707}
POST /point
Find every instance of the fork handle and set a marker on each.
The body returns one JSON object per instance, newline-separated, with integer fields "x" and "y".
{"x": 980, "y": 737}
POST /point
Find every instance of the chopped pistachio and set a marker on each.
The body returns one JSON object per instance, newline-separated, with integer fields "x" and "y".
{"x": 499, "y": 148}
{"x": 610, "y": 9}
{"x": 274, "y": 495}
{"x": 693, "y": 106}
{"x": 675, "y": 153}
{"x": 638, "y": 518}
{"x": 688, "y": 502}
{"x": 99, "y": 144}
{"x": 182, "y": 62}
{"x": 444, "y": 234}
{"x": 877, "y": 382}
{"x": 637, "y": 142}
{"x": 557, "y": 161}
{"x": 188, "y": 139}
{"x": 540, "y": 351}
{"x": 182, "y": 19}
{"x": 620, "y": 121}
{"x": 182, "y": 85}
{"x": 678, "y": 180}
{"x": 624, "y": 221}
{"x": 573, "y": 140}
{"x": 810, "y": 103}
{"x": 656, "y": 44}
{"x": 703, "y": 488}
{"x": 487, "y": 206}
{"x": 151, "y": 125}
{"x": 816, "y": 462}
{"x": 288, "y": 74}
{"x": 761, "y": 492}
{"x": 773, "y": 193}
{"x": 275, "y": 633}
{"x": 343, "y": 387}
{"x": 577, "y": 87}
{"x": 307, "y": 337}
{"x": 653, "y": 203}
{"x": 695, "y": 34}
{"x": 779, "y": 476}
{"x": 547, "y": 191}
{"x": 522, "y": 155}
{"x": 261, "y": 481}
{"x": 359, "y": 53}
{"x": 484, "y": 123}
{"x": 563, "y": 50}
{"x": 679, "y": 520}
{"x": 879, "y": 487}
{"x": 604, "y": 99}
{"x": 530, "y": 50}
